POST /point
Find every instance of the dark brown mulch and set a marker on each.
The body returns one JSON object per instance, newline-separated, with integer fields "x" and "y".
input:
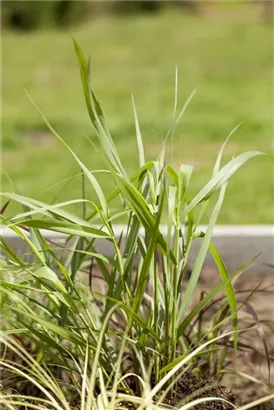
{"x": 265, "y": 406}
{"x": 191, "y": 387}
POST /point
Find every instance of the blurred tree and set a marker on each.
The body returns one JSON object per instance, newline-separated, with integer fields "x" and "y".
{"x": 150, "y": 6}
{"x": 135, "y": 6}
{"x": 28, "y": 15}
{"x": 141, "y": 6}
{"x": 70, "y": 12}
{"x": 268, "y": 10}
{"x": 190, "y": 5}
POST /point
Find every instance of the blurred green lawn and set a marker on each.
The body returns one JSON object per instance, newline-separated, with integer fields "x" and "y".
{"x": 230, "y": 63}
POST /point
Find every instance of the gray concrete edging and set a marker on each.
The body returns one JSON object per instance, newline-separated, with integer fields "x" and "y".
{"x": 235, "y": 243}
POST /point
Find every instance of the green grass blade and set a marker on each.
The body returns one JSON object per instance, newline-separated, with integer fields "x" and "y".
{"x": 117, "y": 191}
{"x": 220, "y": 153}
{"x": 144, "y": 274}
{"x": 63, "y": 227}
{"x": 230, "y": 294}
{"x": 96, "y": 115}
{"x": 11, "y": 252}
{"x": 39, "y": 207}
{"x": 201, "y": 256}
{"x": 138, "y": 135}
{"x": 22, "y": 235}
{"x": 220, "y": 178}
{"x": 207, "y": 299}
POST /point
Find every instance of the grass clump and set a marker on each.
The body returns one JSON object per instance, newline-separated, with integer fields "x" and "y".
{"x": 139, "y": 308}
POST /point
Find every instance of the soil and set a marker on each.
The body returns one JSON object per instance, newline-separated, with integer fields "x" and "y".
{"x": 191, "y": 387}
{"x": 252, "y": 360}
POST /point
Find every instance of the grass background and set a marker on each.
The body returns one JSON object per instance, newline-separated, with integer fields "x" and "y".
{"x": 228, "y": 58}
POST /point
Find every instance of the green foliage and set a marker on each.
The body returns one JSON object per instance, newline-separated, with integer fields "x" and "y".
{"x": 135, "y": 6}
{"x": 27, "y": 15}
{"x": 145, "y": 310}
{"x": 35, "y": 14}
{"x": 125, "y": 6}
{"x": 73, "y": 12}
